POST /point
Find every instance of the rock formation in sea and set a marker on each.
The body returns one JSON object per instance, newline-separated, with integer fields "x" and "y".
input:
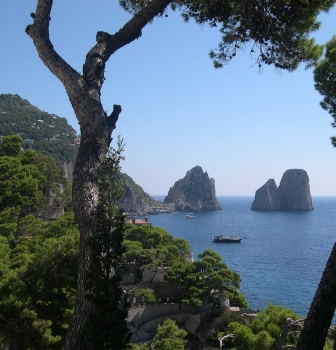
{"x": 266, "y": 197}
{"x": 293, "y": 193}
{"x": 196, "y": 191}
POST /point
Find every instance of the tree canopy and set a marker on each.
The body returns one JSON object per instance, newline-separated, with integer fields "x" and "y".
{"x": 25, "y": 176}
{"x": 206, "y": 281}
{"x": 106, "y": 326}
{"x": 38, "y": 274}
{"x": 21, "y": 181}
{"x": 325, "y": 81}
{"x": 278, "y": 31}
{"x": 265, "y": 330}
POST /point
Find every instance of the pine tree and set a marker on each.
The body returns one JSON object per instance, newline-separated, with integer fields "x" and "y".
{"x": 106, "y": 326}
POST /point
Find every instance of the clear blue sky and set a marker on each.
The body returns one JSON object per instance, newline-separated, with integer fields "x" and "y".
{"x": 240, "y": 126}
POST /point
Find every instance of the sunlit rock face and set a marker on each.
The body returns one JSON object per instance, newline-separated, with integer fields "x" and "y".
{"x": 196, "y": 191}
{"x": 293, "y": 193}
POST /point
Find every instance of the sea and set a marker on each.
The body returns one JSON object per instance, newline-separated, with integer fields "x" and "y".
{"x": 283, "y": 255}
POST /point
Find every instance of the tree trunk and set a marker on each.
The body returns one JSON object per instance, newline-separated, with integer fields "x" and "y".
{"x": 318, "y": 321}
{"x": 85, "y": 198}
{"x": 84, "y": 94}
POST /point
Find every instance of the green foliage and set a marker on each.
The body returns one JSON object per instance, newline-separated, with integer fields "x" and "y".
{"x": 11, "y": 146}
{"x": 153, "y": 246}
{"x": 220, "y": 326}
{"x": 26, "y": 175}
{"x": 106, "y": 326}
{"x": 18, "y": 116}
{"x": 168, "y": 337}
{"x": 264, "y": 330}
{"x": 148, "y": 294}
{"x": 52, "y": 170}
{"x": 278, "y": 32}
{"x": 38, "y": 278}
{"x": 9, "y": 223}
{"x": 325, "y": 81}
{"x": 207, "y": 280}
{"x": 20, "y": 183}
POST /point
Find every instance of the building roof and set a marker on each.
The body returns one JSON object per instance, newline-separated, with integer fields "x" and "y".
{"x": 137, "y": 222}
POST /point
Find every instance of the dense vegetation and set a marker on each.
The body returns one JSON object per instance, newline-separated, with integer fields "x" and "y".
{"x": 325, "y": 81}
{"x": 19, "y": 117}
{"x": 39, "y": 266}
{"x": 106, "y": 326}
{"x": 168, "y": 337}
{"x": 204, "y": 281}
{"x": 38, "y": 275}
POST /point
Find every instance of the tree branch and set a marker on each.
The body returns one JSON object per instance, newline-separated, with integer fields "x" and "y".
{"x": 225, "y": 337}
{"x": 113, "y": 118}
{"x": 39, "y": 32}
{"x": 107, "y": 44}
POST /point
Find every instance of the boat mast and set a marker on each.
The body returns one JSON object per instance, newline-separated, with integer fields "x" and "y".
{"x": 222, "y": 226}
{"x": 231, "y": 227}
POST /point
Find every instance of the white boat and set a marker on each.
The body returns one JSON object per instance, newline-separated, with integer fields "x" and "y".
{"x": 189, "y": 216}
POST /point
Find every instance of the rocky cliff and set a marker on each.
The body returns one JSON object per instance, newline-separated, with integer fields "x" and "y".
{"x": 293, "y": 193}
{"x": 196, "y": 191}
{"x": 266, "y": 197}
{"x": 68, "y": 168}
{"x": 137, "y": 201}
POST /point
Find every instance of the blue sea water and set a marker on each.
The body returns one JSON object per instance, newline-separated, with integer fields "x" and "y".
{"x": 283, "y": 256}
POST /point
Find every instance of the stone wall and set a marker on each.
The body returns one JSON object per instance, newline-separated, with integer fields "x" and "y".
{"x": 144, "y": 320}
{"x": 140, "y": 315}
{"x": 50, "y": 214}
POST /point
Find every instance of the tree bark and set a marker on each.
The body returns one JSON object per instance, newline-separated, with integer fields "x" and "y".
{"x": 95, "y": 125}
{"x": 318, "y": 321}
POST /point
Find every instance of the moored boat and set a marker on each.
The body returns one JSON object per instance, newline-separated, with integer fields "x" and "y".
{"x": 226, "y": 239}
{"x": 189, "y": 216}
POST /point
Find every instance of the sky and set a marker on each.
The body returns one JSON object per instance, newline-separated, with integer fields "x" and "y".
{"x": 240, "y": 126}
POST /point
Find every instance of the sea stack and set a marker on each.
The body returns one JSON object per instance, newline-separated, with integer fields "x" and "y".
{"x": 196, "y": 191}
{"x": 266, "y": 197}
{"x": 293, "y": 193}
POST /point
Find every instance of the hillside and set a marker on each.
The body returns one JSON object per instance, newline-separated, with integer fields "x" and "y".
{"x": 137, "y": 190}
{"x": 52, "y": 134}
{"x": 137, "y": 201}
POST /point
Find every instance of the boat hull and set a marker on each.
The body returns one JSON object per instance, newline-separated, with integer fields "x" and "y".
{"x": 226, "y": 240}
